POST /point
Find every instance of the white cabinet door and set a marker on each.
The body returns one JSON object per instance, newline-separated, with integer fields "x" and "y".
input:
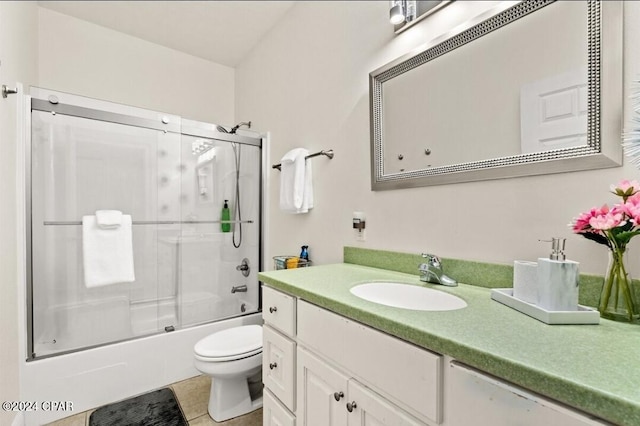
{"x": 273, "y": 413}
{"x": 370, "y": 409}
{"x": 407, "y": 375}
{"x": 278, "y": 365}
{"x": 478, "y": 399}
{"x": 322, "y": 392}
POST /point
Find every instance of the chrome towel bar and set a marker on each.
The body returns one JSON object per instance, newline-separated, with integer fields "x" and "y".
{"x": 328, "y": 153}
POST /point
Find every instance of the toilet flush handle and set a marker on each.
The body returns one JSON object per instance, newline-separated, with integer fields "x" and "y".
{"x": 273, "y": 365}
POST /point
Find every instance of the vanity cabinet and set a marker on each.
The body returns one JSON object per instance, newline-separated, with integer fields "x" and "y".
{"x": 323, "y": 369}
{"x": 320, "y": 368}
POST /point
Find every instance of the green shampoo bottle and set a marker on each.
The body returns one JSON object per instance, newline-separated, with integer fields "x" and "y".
{"x": 225, "y": 216}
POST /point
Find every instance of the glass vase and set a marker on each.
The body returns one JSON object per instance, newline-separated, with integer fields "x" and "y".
{"x": 617, "y": 299}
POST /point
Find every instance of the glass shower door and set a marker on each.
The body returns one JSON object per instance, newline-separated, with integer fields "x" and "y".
{"x": 212, "y": 285}
{"x": 188, "y": 262}
{"x": 78, "y": 166}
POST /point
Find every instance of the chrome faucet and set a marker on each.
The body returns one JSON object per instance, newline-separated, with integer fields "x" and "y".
{"x": 239, "y": 289}
{"x": 432, "y": 271}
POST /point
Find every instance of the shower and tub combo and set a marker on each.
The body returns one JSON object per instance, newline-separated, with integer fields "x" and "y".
{"x": 194, "y": 277}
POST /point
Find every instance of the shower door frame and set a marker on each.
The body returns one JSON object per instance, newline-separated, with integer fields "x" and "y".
{"x": 207, "y": 130}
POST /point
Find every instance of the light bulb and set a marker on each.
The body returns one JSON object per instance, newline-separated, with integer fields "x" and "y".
{"x": 396, "y": 14}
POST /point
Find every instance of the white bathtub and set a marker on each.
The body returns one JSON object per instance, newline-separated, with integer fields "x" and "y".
{"x": 95, "y": 377}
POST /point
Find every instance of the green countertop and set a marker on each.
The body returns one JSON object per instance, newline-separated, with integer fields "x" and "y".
{"x": 595, "y": 368}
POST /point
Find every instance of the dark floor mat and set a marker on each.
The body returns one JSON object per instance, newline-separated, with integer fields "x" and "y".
{"x": 157, "y": 408}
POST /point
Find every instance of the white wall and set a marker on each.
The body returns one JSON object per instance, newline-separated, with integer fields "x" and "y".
{"x": 307, "y": 82}
{"x": 86, "y": 59}
{"x": 18, "y": 21}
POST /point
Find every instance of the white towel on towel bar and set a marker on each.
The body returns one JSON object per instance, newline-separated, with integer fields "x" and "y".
{"x": 296, "y": 182}
{"x": 108, "y": 218}
{"x": 107, "y": 252}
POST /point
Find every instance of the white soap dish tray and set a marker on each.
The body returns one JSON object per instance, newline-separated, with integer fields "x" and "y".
{"x": 584, "y": 314}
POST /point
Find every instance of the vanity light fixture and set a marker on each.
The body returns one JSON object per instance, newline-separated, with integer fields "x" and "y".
{"x": 403, "y": 14}
{"x": 402, "y": 11}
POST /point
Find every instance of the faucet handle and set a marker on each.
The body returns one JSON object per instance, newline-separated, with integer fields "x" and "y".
{"x": 432, "y": 271}
{"x": 432, "y": 259}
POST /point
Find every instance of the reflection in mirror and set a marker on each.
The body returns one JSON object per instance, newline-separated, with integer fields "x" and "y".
{"x": 480, "y": 108}
{"x": 516, "y": 93}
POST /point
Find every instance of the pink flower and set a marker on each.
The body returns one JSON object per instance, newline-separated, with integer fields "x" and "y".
{"x": 625, "y": 188}
{"x": 613, "y": 227}
{"x": 634, "y": 199}
{"x": 582, "y": 222}
{"x": 607, "y": 221}
{"x": 632, "y": 210}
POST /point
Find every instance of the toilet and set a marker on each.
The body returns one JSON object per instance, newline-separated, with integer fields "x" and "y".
{"x": 233, "y": 359}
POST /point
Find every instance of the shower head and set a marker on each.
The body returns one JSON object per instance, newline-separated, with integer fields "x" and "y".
{"x": 237, "y": 126}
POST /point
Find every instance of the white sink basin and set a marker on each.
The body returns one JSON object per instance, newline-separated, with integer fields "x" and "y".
{"x": 408, "y": 296}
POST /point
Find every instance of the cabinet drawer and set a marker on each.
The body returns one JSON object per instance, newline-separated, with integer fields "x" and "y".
{"x": 279, "y": 366}
{"x": 274, "y": 413}
{"x": 279, "y": 310}
{"x": 408, "y": 376}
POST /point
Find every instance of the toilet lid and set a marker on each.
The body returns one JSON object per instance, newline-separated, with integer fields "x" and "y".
{"x": 231, "y": 342}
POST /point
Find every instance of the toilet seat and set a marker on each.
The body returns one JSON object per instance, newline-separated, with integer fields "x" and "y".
{"x": 230, "y": 344}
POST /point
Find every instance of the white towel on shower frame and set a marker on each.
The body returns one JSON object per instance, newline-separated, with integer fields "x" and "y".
{"x": 108, "y": 219}
{"x": 107, "y": 252}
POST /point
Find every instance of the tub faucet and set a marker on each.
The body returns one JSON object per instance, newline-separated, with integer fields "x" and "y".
{"x": 432, "y": 271}
{"x": 239, "y": 289}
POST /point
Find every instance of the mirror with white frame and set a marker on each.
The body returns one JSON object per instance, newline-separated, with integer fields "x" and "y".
{"x": 532, "y": 88}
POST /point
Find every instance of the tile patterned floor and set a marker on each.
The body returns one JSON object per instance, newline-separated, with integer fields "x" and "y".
{"x": 193, "y": 397}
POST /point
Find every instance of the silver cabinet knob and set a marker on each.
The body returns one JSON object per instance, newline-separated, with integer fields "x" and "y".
{"x": 338, "y": 395}
{"x": 351, "y": 405}
{"x": 273, "y": 309}
{"x": 273, "y": 365}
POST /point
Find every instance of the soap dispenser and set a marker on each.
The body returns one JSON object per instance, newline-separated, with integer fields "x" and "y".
{"x": 225, "y": 217}
{"x": 557, "y": 280}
